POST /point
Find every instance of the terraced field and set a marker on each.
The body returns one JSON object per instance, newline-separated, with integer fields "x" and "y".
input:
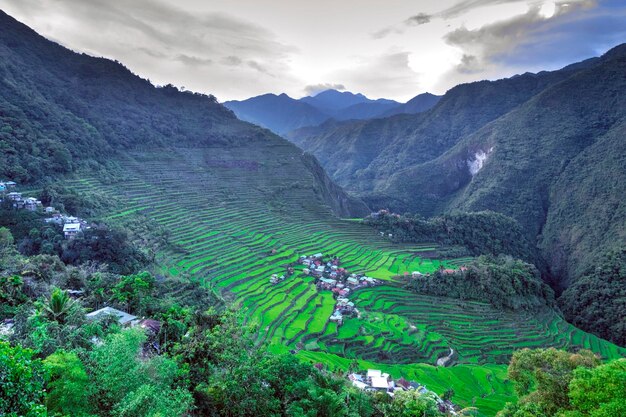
{"x": 234, "y": 229}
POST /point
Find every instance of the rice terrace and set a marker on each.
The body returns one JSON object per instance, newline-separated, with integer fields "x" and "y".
{"x": 221, "y": 232}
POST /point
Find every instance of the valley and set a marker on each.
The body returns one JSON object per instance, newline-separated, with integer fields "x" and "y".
{"x": 228, "y": 229}
{"x": 173, "y": 255}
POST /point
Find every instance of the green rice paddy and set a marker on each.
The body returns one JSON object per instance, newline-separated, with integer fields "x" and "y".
{"x": 234, "y": 230}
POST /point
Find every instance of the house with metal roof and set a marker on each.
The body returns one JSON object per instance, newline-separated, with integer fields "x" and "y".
{"x": 123, "y": 318}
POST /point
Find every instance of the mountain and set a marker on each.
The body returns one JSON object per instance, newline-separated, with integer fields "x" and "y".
{"x": 283, "y": 114}
{"x": 63, "y": 112}
{"x": 397, "y": 142}
{"x": 545, "y": 149}
{"x": 417, "y": 104}
{"x": 333, "y": 100}
{"x": 279, "y": 113}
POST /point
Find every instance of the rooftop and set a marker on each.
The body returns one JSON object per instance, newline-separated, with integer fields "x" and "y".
{"x": 123, "y": 317}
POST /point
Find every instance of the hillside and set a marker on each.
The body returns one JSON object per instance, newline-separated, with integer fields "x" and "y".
{"x": 417, "y": 104}
{"x": 403, "y": 141}
{"x": 545, "y": 149}
{"x": 57, "y": 116}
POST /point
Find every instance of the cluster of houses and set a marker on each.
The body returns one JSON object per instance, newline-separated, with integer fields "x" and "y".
{"x": 376, "y": 380}
{"x": 71, "y": 225}
{"x": 331, "y": 276}
{"x": 7, "y": 190}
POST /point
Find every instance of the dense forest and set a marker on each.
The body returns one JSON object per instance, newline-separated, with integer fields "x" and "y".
{"x": 480, "y": 233}
{"x": 502, "y": 281}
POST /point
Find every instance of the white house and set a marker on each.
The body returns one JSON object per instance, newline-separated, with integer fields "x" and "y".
{"x": 71, "y": 229}
{"x": 380, "y": 382}
{"x": 371, "y": 373}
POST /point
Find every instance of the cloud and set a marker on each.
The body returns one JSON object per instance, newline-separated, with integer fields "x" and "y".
{"x": 385, "y": 75}
{"x": 495, "y": 42}
{"x": 536, "y": 40}
{"x": 312, "y": 90}
{"x": 462, "y": 8}
{"x": 418, "y": 19}
{"x": 468, "y": 5}
{"x": 422, "y": 18}
{"x": 210, "y": 52}
{"x": 232, "y": 61}
{"x": 193, "y": 60}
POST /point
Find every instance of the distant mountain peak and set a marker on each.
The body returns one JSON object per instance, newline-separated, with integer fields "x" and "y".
{"x": 333, "y": 92}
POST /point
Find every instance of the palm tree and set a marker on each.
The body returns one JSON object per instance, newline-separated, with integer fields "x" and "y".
{"x": 58, "y": 305}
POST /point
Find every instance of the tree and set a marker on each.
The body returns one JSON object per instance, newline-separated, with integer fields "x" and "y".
{"x": 542, "y": 378}
{"x": 11, "y": 295}
{"x": 68, "y": 384}
{"x": 21, "y": 383}
{"x": 58, "y": 305}
{"x": 134, "y": 292}
{"x": 413, "y": 404}
{"x": 6, "y": 238}
{"x": 125, "y": 385}
{"x": 599, "y": 392}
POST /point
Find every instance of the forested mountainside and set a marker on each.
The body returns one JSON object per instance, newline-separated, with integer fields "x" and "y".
{"x": 283, "y": 114}
{"x": 546, "y": 149}
{"x": 61, "y": 111}
{"x": 419, "y": 103}
{"x": 401, "y": 141}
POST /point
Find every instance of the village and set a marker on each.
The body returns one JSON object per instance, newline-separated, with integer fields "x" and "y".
{"x": 376, "y": 380}
{"x": 71, "y": 225}
{"x": 331, "y": 276}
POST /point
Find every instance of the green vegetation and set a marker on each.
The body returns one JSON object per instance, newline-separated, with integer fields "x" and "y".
{"x": 99, "y": 243}
{"x": 502, "y": 281}
{"x": 481, "y": 233}
{"x": 239, "y": 241}
{"x": 552, "y": 152}
{"x": 217, "y": 206}
{"x": 551, "y": 383}
{"x": 597, "y": 300}
{"x": 22, "y": 377}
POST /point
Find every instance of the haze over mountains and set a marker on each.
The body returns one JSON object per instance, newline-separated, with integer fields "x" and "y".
{"x": 282, "y": 114}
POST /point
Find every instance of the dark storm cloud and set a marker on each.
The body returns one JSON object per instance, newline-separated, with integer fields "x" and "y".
{"x": 311, "y": 90}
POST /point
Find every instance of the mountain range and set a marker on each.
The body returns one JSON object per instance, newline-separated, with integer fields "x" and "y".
{"x": 546, "y": 149}
{"x": 282, "y": 114}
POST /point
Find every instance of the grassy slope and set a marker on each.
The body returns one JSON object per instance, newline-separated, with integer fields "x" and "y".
{"x": 224, "y": 224}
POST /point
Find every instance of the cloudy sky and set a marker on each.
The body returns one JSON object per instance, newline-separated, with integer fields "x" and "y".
{"x": 396, "y": 49}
